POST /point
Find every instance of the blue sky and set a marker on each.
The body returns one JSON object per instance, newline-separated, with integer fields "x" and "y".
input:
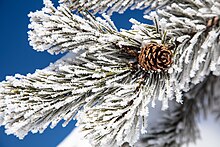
{"x": 17, "y": 56}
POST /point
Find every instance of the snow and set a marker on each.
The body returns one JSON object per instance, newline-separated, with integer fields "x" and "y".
{"x": 74, "y": 139}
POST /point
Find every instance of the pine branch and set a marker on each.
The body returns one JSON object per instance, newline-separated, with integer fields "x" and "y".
{"x": 115, "y": 75}
{"x": 115, "y": 120}
{"x": 122, "y": 116}
{"x": 32, "y": 102}
{"x": 178, "y": 126}
{"x": 59, "y": 30}
{"x": 196, "y": 27}
{"x": 111, "y": 6}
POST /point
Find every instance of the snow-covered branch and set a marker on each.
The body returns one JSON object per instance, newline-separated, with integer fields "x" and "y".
{"x": 59, "y": 30}
{"x": 32, "y": 102}
{"x": 178, "y": 125}
{"x": 115, "y": 75}
{"x": 111, "y": 6}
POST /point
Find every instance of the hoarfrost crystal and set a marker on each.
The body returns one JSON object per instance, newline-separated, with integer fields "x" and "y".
{"x": 110, "y": 78}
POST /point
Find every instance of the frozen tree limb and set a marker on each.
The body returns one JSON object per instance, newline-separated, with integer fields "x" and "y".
{"x": 59, "y": 30}
{"x": 32, "y": 102}
{"x": 106, "y": 86}
{"x": 113, "y": 5}
{"x": 178, "y": 126}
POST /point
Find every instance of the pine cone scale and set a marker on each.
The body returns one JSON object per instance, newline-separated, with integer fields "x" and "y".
{"x": 155, "y": 57}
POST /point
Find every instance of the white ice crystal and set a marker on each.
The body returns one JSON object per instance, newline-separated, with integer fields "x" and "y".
{"x": 98, "y": 81}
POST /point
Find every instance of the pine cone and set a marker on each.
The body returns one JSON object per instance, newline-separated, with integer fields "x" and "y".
{"x": 155, "y": 57}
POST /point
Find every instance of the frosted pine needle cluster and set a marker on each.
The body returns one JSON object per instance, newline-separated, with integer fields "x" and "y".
{"x": 110, "y": 78}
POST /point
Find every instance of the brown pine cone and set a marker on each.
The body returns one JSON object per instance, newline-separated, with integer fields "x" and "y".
{"x": 155, "y": 57}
